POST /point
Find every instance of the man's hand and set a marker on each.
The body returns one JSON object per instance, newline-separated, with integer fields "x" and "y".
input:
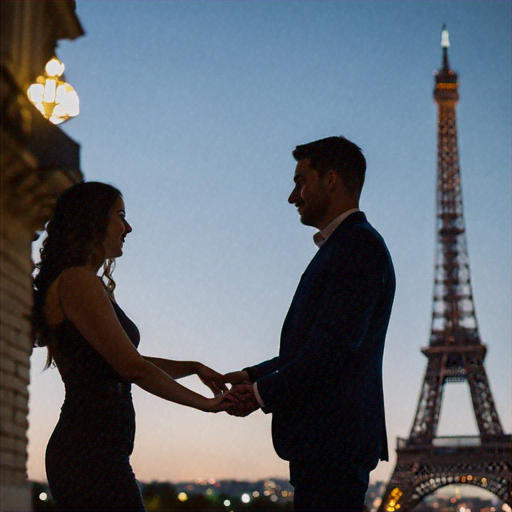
{"x": 243, "y": 399}
{"x": 236, "y": 377}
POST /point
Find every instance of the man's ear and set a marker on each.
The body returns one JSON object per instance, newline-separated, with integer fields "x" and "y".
{"x": 332, "y": 178}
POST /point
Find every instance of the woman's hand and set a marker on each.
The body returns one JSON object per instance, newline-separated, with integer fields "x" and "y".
{"x": 220, "y": 403}
{"x": 211, "y": 378}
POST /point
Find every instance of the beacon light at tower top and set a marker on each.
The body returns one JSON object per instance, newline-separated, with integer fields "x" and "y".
{"x": 53, "y": 97}
{"x": 445, "y": 39}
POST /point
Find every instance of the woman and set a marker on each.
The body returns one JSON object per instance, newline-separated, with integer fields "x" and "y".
{"x": 94, "y": 346}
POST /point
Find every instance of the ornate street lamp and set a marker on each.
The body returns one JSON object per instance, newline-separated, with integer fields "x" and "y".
{"x": 54, "y": 98}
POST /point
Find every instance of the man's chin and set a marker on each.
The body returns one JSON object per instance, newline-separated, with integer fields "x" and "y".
{"x": 306, "y": 221}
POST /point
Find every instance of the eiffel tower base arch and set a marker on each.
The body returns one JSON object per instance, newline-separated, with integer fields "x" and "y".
{"x": 469, "y": 460}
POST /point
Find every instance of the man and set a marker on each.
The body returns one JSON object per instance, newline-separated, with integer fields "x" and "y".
{"x": 324, "y": 389}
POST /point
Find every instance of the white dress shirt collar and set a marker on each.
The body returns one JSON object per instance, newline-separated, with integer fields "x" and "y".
{"x": 320, "y": 237}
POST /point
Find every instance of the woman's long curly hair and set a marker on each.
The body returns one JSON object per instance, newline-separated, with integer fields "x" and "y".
{"x": 74, "y": 234}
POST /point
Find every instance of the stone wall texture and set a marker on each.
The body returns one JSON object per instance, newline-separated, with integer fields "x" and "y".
{"x": 15, "y": 349}
{"x": 38, "y": 162}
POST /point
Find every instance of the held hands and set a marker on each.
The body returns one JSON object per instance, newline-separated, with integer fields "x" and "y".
{"x": 239, "y": 401}
{"x": 243, "y": 400}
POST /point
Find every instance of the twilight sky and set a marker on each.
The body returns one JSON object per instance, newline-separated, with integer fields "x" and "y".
{"x": 192, "y": 109}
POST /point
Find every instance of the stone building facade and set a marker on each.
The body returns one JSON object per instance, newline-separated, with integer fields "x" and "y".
{"x": 38, "y": 162}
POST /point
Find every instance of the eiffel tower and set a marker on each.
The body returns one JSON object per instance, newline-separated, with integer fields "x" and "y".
{"x": 426, "y": 462}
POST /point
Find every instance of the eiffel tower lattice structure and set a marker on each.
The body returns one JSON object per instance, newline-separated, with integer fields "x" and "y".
{"x": 455, "y": 353}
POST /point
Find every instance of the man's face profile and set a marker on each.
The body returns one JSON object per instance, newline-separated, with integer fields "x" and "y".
{"x": 310, "y": 194}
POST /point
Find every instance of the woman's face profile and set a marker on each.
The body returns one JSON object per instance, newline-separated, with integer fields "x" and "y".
{"x": 117, "y": 229}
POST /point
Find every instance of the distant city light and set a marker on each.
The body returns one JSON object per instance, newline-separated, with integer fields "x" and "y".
{"x": 212, "y": 481}
{"x": 209, "y": 492}
{"x": 43, "y": 496}
{"x": 227, "y": 503}
{"x": 394, "y": 497}
{"x": 182, "y": 496}
{"x": 255, "y": 494}
{"x": 273, "y": 498}
{"x": 245, "y": 498}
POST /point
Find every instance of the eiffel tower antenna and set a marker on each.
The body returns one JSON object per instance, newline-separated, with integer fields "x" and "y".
{"x": 455, "y": 353}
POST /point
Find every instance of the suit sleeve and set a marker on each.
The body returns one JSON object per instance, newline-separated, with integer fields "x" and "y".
{"x": 349, "y": 290}
{"x": 260, "y": 370}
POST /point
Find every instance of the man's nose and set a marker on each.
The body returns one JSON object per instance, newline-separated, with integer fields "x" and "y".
{"x": 128, "y": 228}
{"x": 293, "y": 197}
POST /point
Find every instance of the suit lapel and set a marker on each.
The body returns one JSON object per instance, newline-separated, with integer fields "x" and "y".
{"x": 305, "y": 280}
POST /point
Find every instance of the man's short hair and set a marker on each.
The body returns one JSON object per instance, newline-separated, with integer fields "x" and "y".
{"x": 339, "y": 154}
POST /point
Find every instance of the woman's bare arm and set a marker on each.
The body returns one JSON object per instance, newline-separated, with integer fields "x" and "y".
{"x": 178, "y": 369}
{"x": 87, "y": 305}
{"x": 175, "y": 369}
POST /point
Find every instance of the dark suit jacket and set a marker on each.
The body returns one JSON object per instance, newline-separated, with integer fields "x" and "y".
{"x": 325, "y": 387}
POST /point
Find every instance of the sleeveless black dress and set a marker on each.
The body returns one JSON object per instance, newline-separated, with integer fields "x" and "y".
{"x": 87, "y": 458}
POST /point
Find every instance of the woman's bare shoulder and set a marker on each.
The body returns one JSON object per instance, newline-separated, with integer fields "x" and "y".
{"x": 71, "y": 282}
{"x": 80, "y": 284}
{"x": 78, "y": 273}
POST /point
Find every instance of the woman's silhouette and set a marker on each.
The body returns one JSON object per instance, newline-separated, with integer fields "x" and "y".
{"x": 94, "y": 346}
